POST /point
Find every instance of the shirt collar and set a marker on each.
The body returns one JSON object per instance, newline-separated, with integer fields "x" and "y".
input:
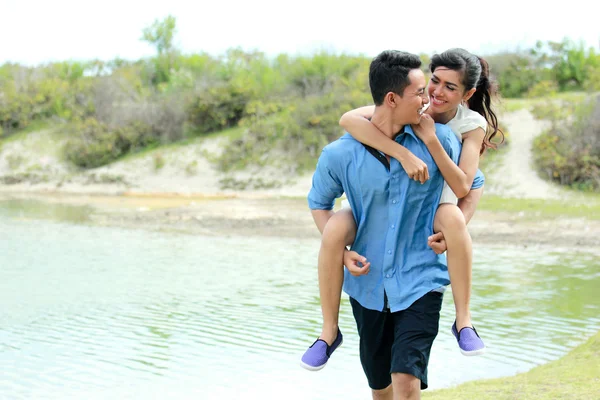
{"x": 407, "y": 129}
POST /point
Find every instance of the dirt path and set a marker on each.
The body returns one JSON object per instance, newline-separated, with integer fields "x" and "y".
{"x": 516, "y": 176}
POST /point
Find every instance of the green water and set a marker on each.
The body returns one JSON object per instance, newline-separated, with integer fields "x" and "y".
{"x": 111, "y": 313}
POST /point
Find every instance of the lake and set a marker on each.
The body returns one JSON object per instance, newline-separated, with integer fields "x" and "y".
{"x": 100, "y": 312}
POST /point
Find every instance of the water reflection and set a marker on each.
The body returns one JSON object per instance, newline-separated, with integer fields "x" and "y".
{"x": 32, "y": 209}
{"x": 99, "y": 312}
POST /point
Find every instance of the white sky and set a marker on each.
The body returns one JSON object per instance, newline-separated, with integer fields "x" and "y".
{"x": 38, "y": 31}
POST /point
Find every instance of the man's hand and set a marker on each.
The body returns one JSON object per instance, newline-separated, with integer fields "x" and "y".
{"x": 425, "y": 130}
{"x": 352, "y": 260}
{"x": 437, "y": 243}
{"x": 415, "y": 168}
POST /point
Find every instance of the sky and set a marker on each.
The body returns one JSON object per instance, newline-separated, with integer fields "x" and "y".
{"x": 40, "y": 31}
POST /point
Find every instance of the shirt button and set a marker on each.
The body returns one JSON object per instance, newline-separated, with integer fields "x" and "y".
{"x": 394, "y": 201}
{"x": 389, "y": 252}
{"x": 388, "y": 276}
{"x": 393, "y": 226}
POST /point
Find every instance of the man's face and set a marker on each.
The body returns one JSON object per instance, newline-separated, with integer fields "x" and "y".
{"x": 408, "y": 106}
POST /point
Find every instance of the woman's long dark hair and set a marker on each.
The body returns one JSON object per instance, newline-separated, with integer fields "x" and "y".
{"x": 475, "y": 74}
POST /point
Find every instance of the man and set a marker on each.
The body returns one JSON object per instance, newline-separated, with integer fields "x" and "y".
{"x": 397, "y": 304}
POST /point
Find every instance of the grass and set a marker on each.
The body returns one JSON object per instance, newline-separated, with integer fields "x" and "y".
{"x": 510, "y": 105}
{"x": 583, "y": 205}
{"x": 576, "y": 376}
{"x": 231, "y": 133}
{"x": 20, "y": 134}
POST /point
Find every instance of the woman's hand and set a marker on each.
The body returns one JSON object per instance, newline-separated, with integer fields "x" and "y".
{"x": 356, "y": 264}
{"x": 415, "y": 167}
{"x": 425, "y": 130}
{"x": 437, "y": 242}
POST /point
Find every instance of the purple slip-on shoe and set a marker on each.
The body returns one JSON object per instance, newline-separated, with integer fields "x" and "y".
{"x": 469, "y": 342}
{"x": 319, "y": 352}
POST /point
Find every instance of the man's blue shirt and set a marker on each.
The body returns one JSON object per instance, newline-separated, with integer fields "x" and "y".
{"x": 394, "y": 215}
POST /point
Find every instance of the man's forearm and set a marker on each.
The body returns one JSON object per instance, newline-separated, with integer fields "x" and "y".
{"x": 468, "y": 204}
{"x": 321, "y": 217}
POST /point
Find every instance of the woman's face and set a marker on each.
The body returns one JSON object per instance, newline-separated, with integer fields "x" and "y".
{"x": 445, "y": 90}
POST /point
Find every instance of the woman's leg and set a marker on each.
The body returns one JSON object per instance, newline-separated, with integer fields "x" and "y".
{"x": 450, "y": 220}
{"x": 337, "y": 234}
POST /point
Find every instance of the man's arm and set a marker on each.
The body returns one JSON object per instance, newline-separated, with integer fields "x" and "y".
{"x": 326, "y": 187}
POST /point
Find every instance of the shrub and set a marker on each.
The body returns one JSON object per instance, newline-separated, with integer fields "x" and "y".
{"x": 569, "y": 153}
{"x": 95, "y": 144}
{"x": 293, "y": 139}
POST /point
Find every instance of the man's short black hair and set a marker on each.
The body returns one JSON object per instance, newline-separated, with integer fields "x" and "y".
{"x": 389, "y": 73}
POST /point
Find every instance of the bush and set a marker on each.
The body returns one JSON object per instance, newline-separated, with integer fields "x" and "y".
{"x": 123, "y": 119}
{"x": 569, "y": 153}
{"x": 287, "y": 104}
{"x": 293, "y": 139}
{"x": 593, "y": 82}
{"x": 217, "y": 106}
{"x": 95, "y": 144}
{"x": 543, "y": 89}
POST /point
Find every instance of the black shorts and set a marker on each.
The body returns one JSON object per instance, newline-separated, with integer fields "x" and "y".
{"x": 399, "y": 341}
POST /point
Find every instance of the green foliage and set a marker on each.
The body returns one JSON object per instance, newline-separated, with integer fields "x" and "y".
{"x": 569, "y": 153}
{"x": 159, "y": 161}
{"x": 518, "y": 76}
{"x": 592, "y": 84}
{"x": 293, "y": 139}
{"x": 218, "y": 106}
{"x": 543, "y": 89}
{"x": 319, "y": 73}
{"x": 54, "y": 91}
{"x": 94, "y": 144}
{"x": 161, "y": 34}
{"x": 569, "y": 65}
{"x": 288, "y": 106}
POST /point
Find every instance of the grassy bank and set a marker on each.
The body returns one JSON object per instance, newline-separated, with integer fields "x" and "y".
{"x": 583, "y": 205}
{"x": 515, "y": 104}
{"x": 575, "y": 376}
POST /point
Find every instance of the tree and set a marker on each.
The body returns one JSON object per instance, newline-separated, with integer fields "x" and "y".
{"x": 161, "y": 35}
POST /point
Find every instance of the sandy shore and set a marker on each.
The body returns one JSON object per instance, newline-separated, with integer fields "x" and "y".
{"x": 290, "y": 217}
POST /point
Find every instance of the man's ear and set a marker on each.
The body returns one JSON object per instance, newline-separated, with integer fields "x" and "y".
{"x": 468, "y": 95}
{"x": 390, "y": 99}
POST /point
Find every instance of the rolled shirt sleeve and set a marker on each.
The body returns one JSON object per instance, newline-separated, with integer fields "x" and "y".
{"x": 326, "y": 183}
